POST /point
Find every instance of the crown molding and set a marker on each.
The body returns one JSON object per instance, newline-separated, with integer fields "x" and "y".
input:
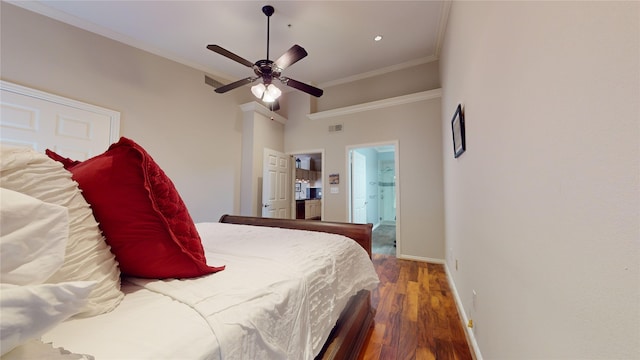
{"x": 381, "y": 71}
{"x": 442, "y": 26}
{"x": 380, "y": 104}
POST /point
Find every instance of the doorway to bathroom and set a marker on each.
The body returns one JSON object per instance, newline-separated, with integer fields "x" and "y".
{"x": 373, "y": 193}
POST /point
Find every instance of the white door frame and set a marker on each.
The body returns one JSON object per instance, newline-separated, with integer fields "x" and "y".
{"x": 396, "y": 145}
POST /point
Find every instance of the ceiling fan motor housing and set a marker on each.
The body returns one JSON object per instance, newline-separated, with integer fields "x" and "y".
{"x": 266, "y": 69}
{"x": 268, "y": 10}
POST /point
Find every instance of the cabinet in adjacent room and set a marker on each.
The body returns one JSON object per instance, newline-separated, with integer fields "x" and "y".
{"x": 302, "y": 174}
{"x": 312, "y": 209}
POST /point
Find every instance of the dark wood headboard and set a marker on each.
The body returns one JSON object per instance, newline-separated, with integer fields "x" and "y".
{"x": 361, "y": 233}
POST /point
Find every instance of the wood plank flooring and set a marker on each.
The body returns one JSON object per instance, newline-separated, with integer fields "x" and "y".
{"x": 416, "y": 315}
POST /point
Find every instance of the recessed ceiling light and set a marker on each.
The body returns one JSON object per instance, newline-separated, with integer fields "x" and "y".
{"x": 378, "y": 38}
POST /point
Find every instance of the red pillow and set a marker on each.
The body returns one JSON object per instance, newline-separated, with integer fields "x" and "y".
{"x": 141, "y": 213}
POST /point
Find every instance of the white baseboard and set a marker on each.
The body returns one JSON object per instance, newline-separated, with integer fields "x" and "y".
{"x": 463, "y": 315}
{"x": 420, "y": 258}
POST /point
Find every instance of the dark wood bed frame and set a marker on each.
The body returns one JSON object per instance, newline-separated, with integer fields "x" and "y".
{"x": 351, "y": 330}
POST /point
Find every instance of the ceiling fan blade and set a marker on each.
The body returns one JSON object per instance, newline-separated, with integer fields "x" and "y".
{"x": 235, "y": 84}
{"x": 230, "y": 55}
{"x": 311, "y": 90}
{"x": 212, "y": 82}
{"x": 293, "y": 55}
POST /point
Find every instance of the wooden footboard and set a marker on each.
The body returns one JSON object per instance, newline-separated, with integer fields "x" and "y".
{"x": 351, "y": 330}
{"x": 361, "y": 233}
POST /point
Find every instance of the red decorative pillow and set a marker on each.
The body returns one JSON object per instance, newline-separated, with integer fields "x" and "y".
{"x": 141, "y": 213}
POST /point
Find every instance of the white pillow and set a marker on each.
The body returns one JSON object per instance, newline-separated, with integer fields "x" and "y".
{"x": 87, "y": 257}
{"x": 33, "y": 238}
{"x": 30, "y": 311}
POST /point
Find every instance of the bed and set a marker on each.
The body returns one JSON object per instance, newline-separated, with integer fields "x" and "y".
{"x": 126, "y": 280}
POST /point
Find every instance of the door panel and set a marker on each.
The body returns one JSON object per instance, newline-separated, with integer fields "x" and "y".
{"x": 276, "y": 185}
{"x": 42, "y": 121}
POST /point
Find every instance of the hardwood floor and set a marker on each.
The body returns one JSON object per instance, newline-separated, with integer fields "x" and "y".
{"x": 416, "y": 315}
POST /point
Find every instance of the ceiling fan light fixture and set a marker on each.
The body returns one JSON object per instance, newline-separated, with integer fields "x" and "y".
{"x": 258, "y": 90}
{"x": 265, "y": 69}
{"x": 267, "y": 93}
{"x": 273, "y": 92}
{"x": 268, "y": 99}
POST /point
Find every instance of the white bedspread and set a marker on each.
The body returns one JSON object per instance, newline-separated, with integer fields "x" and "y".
{"x": 279, "y": 296}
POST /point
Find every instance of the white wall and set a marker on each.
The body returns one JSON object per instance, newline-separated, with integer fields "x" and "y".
{"x": 193, "y": 133}
{"x": 417, "y": 128}
{"x": 543, "y": 209}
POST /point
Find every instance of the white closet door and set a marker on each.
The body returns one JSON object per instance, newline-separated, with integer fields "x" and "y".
{"x": 42, "y": 121}
{"x": 276, "y": 185}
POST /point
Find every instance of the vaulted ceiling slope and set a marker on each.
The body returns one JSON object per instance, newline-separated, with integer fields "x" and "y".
{"x": 338, "y": 35}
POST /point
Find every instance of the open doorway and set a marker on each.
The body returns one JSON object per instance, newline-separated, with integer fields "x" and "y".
{"x": 307, "y": 191}
{"x": 373, "y": 193}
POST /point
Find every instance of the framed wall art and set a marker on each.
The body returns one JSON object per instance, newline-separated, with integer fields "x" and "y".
{"x": 334, "y": 179}
{"x": 457, "y": 129}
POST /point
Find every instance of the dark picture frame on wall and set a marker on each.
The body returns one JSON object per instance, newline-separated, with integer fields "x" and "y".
{"x": 457, "y": 129}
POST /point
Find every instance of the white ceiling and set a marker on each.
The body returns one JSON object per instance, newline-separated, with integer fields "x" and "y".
{"x": 338, "y": 35}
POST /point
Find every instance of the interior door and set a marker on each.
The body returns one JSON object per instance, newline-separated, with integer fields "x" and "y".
{"x": 358, "y": 188}
{"x": 40, "y": 120}
{"x": 277, "y": 187}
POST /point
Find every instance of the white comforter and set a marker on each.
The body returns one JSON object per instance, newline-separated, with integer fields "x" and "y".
{"x": 279, "y": 296}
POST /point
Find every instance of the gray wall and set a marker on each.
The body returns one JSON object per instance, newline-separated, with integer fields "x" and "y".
{"x": 193, "y": 133}
{"x": 404, "y": 81}
{"x": 417, "y": 128}
{"x": 543, "y": 209}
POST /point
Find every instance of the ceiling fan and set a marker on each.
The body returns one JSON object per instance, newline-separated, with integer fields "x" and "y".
{"x": 265, "y": 69}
